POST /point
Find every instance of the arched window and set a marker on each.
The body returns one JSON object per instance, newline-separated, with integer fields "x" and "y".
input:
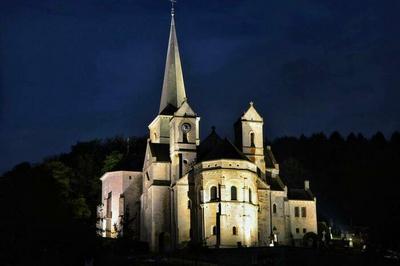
{"x": 274, "y": 208}
{"x": 213, "y": 193}
{"x": 234, "y": 230}
{"x": 214, "y": 230}
{"x": 233, "y": 193}
{"x": 252, "y": 139}
{"x": 250, "y": 198}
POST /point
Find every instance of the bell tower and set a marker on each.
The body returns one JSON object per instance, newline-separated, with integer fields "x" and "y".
{"x": 173, "y": 93}
{"x": 249, "y": 136}
{"x": 170, "y": 153}
{"x": 184, "y": 139}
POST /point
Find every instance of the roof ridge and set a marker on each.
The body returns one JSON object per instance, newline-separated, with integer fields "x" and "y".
{"x": 237, "y": 150}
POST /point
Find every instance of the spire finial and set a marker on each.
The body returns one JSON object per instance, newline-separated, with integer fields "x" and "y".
{"x": 172, "y": 7}
{"x": 251, "y": 103}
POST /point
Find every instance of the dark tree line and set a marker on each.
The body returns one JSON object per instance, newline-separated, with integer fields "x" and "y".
{"x": 49, "y": 209}
{"x": 355, "y": 179}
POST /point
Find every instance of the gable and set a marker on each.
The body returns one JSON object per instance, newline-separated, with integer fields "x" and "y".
{"x": 251, "y": 114}
{"x": 147, "y": 156}
{"x": 185, "y": 110}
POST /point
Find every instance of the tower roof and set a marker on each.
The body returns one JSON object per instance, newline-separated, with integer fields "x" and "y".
{"x": 173, "y": 90}
{"x": 251, "y": 114}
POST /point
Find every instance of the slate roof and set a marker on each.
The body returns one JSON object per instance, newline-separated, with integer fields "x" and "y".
{"x": 208, "y": 143}
{"x": 300, "y": 194}
{"x": 269, "y": 158}
{"x": 173, "y": 90}
{"x": 169, "y": 110}
{"x": 276, "y": 183}
{"x": 160, "y": 151}
{"x": 214, "y": 147}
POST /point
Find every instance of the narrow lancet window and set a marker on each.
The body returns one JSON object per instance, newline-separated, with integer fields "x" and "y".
{"x": 233, "y": 193}
{"x": 214, "y": 230}
{"x": 234, "y": 230}
{"x": 250, "y": 197}
{"x": 213, "y": 193}
{"x": 108, "y": 205}
{"x": 252, "y": 139}
{"x": 185, "y": 137}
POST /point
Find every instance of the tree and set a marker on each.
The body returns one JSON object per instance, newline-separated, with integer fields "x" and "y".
{"x": 62, "y": 175}
{"x": 111, "y": 161}
{"x": 80, "y": 210}
{"x": 293, "y": 172}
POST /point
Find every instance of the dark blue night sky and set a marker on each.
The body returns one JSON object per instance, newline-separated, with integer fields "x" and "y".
{"x": 79, "y": 70}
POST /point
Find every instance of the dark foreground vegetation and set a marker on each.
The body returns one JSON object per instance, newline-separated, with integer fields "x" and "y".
{"x": 48, "y": 212}
{"x": 282, "y": 256}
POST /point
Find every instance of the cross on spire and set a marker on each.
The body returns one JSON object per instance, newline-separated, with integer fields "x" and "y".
{"x": 172, "y": 7}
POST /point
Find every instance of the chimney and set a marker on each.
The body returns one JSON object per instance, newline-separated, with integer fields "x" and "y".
{"x": 306, "y": 185}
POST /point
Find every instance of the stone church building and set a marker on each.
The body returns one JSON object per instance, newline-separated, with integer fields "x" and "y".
{"x": 210, "y": 192}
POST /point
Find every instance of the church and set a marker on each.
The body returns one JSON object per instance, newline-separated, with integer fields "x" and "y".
{"x": 212, "y": 192}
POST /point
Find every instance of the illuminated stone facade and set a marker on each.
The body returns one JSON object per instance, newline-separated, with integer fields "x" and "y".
{"x": 215, "y": 193}
{"x": 121, "y": 192}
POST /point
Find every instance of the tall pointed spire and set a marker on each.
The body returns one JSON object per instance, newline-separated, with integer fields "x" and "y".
{"x": 173, "y": 91}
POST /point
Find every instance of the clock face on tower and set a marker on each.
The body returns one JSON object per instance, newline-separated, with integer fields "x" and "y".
{"x": 186, "y": 127}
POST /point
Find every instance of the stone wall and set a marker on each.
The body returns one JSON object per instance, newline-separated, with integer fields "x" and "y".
{"x": 241, "y": 213}
{"x": 114, "y": 185}
{"x": 181, "y": 212}
{"x": 279, "y": 227}
{"x": 132, "y": 185}
{"x": 264, "y": 217}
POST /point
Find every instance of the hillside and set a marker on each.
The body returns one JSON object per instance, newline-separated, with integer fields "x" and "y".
{"x": 51, "y": 206}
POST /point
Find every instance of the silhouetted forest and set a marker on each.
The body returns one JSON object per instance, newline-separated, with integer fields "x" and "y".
{"x": 355, "y": 179}
{"x": 49, "y": 208}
